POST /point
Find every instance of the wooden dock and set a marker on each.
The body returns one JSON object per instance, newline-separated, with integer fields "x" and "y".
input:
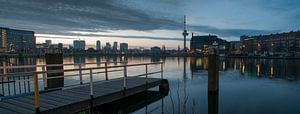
{"x": 82, "y": 96}
{"x": 77, "y": 99}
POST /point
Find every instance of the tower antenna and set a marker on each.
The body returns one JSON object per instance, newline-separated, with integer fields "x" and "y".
{"x": 185, "y": 33}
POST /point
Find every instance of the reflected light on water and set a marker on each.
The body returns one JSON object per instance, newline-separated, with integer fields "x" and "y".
{"x": 258, "y": 70}
{"x": 243, "y": 68}
{"x": 234, "y": 67}
{"x": 271, "y": 72}
{"x": 224, "y": 65}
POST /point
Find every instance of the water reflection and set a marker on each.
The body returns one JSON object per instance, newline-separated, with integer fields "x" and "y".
{"x": 246, "y": 86}
{"x": 260, "y": 68}
{"x": 132, "y": 104}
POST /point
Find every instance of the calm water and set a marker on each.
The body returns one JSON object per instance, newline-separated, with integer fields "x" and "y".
{"x": 247, "y": 86}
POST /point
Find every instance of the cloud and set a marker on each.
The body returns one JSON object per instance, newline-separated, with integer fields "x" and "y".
{"x": 61, "y": 16}
{"x": 74, "y": 36}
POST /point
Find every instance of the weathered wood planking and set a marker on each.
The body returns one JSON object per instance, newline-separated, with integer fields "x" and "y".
{"x": 76, "y": 99}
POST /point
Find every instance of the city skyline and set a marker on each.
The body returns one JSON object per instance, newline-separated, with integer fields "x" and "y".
{"x": 158, "y": 23}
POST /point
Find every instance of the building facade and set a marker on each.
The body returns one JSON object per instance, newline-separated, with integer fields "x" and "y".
{"x": 124, "y": 47}
{"x": 79, "y": 44}
{"x": 98, "y": 45}
{"x": 200, "y": 44}
{"x": 287, "y": 44}
{"x": 115, "y": 46}
{"x": 13, "y": 40}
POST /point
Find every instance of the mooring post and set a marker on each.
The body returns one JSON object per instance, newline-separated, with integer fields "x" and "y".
{"x": 125, "y": 76}
{"x": 80, "y": 73}
{"x": 36, "y": 94}
{"x": 146, "y": 73}
{"x": 213, "y": 69}
{"x": 106, "y": 73}
{"x": 54, "y": 58}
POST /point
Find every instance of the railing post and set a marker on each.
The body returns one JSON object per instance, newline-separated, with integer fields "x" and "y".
{"x": 106, "y": 74}
{"x": 44, "y": 76}
{"x": 91, "y": 84}
{"x": 162, "y": 70}
{"x": 36, "y": 94}
{"x": 80, "y": 73}
{"x": 146, "y": 73}
{"x": 125, "y": 77}
{"x": 4, "y": 67}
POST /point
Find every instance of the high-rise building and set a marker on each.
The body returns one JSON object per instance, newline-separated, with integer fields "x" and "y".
{"x": 163, "y": 48}
{"x": 79, "y": 44}
{"x": 98, "y": 45}
{"x": 107, "y": 46}
{"x": 60, "y": 45}
{"x": 155, "y": 51}
{"x": 124, "y": 47}
{"x": 17, "y": 40}
{"x": 47, "y": 44}
{"x": 115, "y": 46}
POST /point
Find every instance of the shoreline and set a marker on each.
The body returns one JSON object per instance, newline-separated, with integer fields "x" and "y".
{"x": 2, "y": 55}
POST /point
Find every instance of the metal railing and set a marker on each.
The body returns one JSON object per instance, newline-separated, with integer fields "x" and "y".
{"x": 19, "y": 83}
{"x": 91, "y": 73}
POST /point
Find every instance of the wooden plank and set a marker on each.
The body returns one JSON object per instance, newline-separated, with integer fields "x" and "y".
{"x": 56, "y": 97}
{"x": 15, "y": 108}
{"x": 43, "y": 104}
{"x": 69, "y": 95}
{"x": 5, "y": 111}
{"x": 110, "y": 90}
{"x": 46, "y": 101}
{"x": 26, "y": 105}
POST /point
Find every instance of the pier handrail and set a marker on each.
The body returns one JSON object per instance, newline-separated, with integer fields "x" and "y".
{"x": 53, "y": 65}
{"x": 80, "y": 69}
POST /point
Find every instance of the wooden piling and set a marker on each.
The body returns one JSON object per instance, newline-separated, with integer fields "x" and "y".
{"x": 213, "y": 70}
{"x": 54, "y": 58}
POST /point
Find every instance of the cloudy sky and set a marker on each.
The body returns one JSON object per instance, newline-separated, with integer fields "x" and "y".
{"x": 148, "y": 22}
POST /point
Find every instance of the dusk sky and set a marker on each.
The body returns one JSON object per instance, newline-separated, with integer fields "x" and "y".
{"x": 148, "y": 22}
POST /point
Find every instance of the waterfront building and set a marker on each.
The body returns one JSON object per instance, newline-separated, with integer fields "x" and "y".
{"x": 13, "y": 40}
{"x": 124, "y": 47}
{"x": 155, "y": 51}
{"x": 200, "y": 44}
{"x": 115, "y": 46}
{"x": 60, "y": 45}
{"x": 107, "y": 46}
{"x": 98, "y": 45}
{"x": 235, "y": 47}
{"x": 47, "y": 44}
{"x": 79, "y": 44}
{"x": 287, "y": 44}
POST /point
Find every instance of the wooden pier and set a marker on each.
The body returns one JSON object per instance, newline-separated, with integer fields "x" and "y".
{"x": 84, "y": 95}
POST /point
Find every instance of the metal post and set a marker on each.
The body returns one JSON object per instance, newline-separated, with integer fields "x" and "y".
{"x": 44, "y": 76}
{"x": 91, "y": 91}
{"x": 146, "y": 73}
{"x": 106, "y": 73}
{"x": 36, "y": 94}
{"x": 91, "y": 83}
{"x": 162, "y": 70}
{"x": 80, "y": 74}
{"x": 4, "y": 67}
{"x": 125, "y": 77}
